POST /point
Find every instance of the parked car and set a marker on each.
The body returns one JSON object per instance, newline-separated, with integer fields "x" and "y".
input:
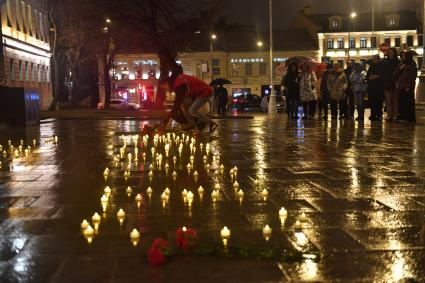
{"x": 247, "y": 102}
{"x": 280, "y": 104}
{"x": 121, "y": 104}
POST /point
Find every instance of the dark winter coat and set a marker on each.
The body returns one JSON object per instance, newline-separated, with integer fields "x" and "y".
{"x": 406, "y": 76}
{"x": 374, "y": 85}
{"x": 389, "y": 73}
{"x": 291, "y": 85}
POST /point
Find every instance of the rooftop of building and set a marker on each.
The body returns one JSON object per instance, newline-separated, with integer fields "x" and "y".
{"x": 406, "y": 20}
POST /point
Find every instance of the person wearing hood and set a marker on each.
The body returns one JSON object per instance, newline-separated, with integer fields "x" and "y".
{"x": 337, "y": 84}
{"x": 406, "y": 82}
{"x": 359, "y": 88}
{"x": 292, "y": 90}
{"x": 375, "y": 89}
{"x": 388, "y": 77}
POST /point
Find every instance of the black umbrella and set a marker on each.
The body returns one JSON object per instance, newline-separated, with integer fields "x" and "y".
{"x": 220, "y": 82}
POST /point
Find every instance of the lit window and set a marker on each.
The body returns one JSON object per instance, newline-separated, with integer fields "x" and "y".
{"x": 340, "y": 42}
{"x": 330, "y": 43}
{"x": 392, "y": 22}
{"x": 363, "y": 42}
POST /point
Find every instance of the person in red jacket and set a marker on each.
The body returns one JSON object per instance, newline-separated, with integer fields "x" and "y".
{"x": 189, "y": 89}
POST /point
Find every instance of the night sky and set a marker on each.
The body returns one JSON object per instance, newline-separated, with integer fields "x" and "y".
{"x": 254, "y": 12}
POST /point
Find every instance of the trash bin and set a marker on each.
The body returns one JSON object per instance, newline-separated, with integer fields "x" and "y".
{"x": 19, "y": 106}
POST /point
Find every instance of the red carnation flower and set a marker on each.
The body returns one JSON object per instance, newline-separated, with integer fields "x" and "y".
{"x": 156, "y": 257}
{"x": 159, "y": 250}
{"x": 186, "y": 238}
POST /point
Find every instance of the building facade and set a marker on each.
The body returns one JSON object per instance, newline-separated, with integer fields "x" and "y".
{"x": 358, "y": 36}
{"x": 26, "y": 48}
{"x": 235, "y": 56}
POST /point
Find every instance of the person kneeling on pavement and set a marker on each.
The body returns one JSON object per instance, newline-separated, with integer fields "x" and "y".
{"x": 192, "y": 97}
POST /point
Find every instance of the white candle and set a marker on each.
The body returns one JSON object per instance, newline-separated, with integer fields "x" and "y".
{"x": 149, "y": 191}
{"x": 167, "y": 191}
{"x": 135, "y": 234}
{"x": 205, "y": 159}
{"x": 96, "y": 218}
{"x": 174, "y": 175}
{"x": 236, "y": 185}
{"x": 129, "y": 191}
{"x": 164, "y": 197}
{"x": 189, "y": 196}
{"x": 150, "y": 175}
{"x": 217, "y": 186}
{"x": 201, "y": 190}
{"x": 184, "y": 193}
{"x": 225, "y": 233}
{"x": 84, "y": 224}
{"x": 88, "y": 232}
{"x": 121, "y": 214}
{"x": 167, "y": 167}
{"x": 283, "y": 212}
{"x": 240, "y": 194}
{"x": 138, "y": 198}
{"x": 267, "y": 232}
{"x": 265, "y": 193}
{"x": 107, "y": 190}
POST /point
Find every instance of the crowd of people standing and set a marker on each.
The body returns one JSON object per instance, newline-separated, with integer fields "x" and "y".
{"x": 391, "y": 80}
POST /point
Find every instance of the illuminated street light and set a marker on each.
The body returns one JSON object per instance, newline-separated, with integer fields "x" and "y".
{"x": 260, "y": 44}
{"x": 108, "y": 20}
{"x": 353, "y": 15}
{"x": 213, "y": 36}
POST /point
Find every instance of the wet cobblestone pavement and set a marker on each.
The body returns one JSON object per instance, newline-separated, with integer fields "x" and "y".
{"x": 353, "y": 194}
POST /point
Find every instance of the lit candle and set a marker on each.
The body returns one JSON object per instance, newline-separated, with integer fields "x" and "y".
{"x": 167, "y": 167}
{"x": 297, "y": 224}
{"x": 217, "y": 186}
{"x": 88, "y": 232}
{"x": 149, "y": 191}
{"x": 214, "y": 194}
{"x": 34, "y": 142}
{"x": 283, "y": 212}
{"x": 236, "y": 185}
{"x": 134, "y": 236}
{"x": 189, "y": 167}
{"x": 201, "y": 190}
{"x": 267, "y": 232}
{"x": 192, "y": 159}
{"x": 96, "y": 218}
{"x": 151, "y": 167}
{"x": 84, "y": 224}
{"x": 121, "y": 215}
{"x": 106, "y": 173}
{"x": 150, "y": 174}
{"x": 225, "y": 233}
{"x": 184, "y": 193}
{"x": 240, "y": 194}
{"x": 104, "y": 202}
{"x": 265, "y": 193}
{"x": 174, "y": 175}
{"x": 195, "y": 174}
{"x": 167, "y": 191}
{"x": 303, "y": 217}
{"x": 175, "y": 159}
{"x": 190, "y": 196}
{"x": 138, "y": 198}
{"x": 129, "y": 191}
{"x": 107, "y": 190}
{"x": 164, "y": 197}
{"x": 205, "y": 159}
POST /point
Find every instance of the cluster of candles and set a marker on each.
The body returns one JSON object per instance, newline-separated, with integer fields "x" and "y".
{"x": 160, "y": 151}
{"x": 21, "y": 152}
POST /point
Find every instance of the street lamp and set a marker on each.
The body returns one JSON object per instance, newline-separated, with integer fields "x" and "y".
{"x": 212, "y": 39}
{"x": 259, "y": 43}
{"x": 272, "y": 107}
{"x": 108, "y": 20}
{"x": 353, "y": 15}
